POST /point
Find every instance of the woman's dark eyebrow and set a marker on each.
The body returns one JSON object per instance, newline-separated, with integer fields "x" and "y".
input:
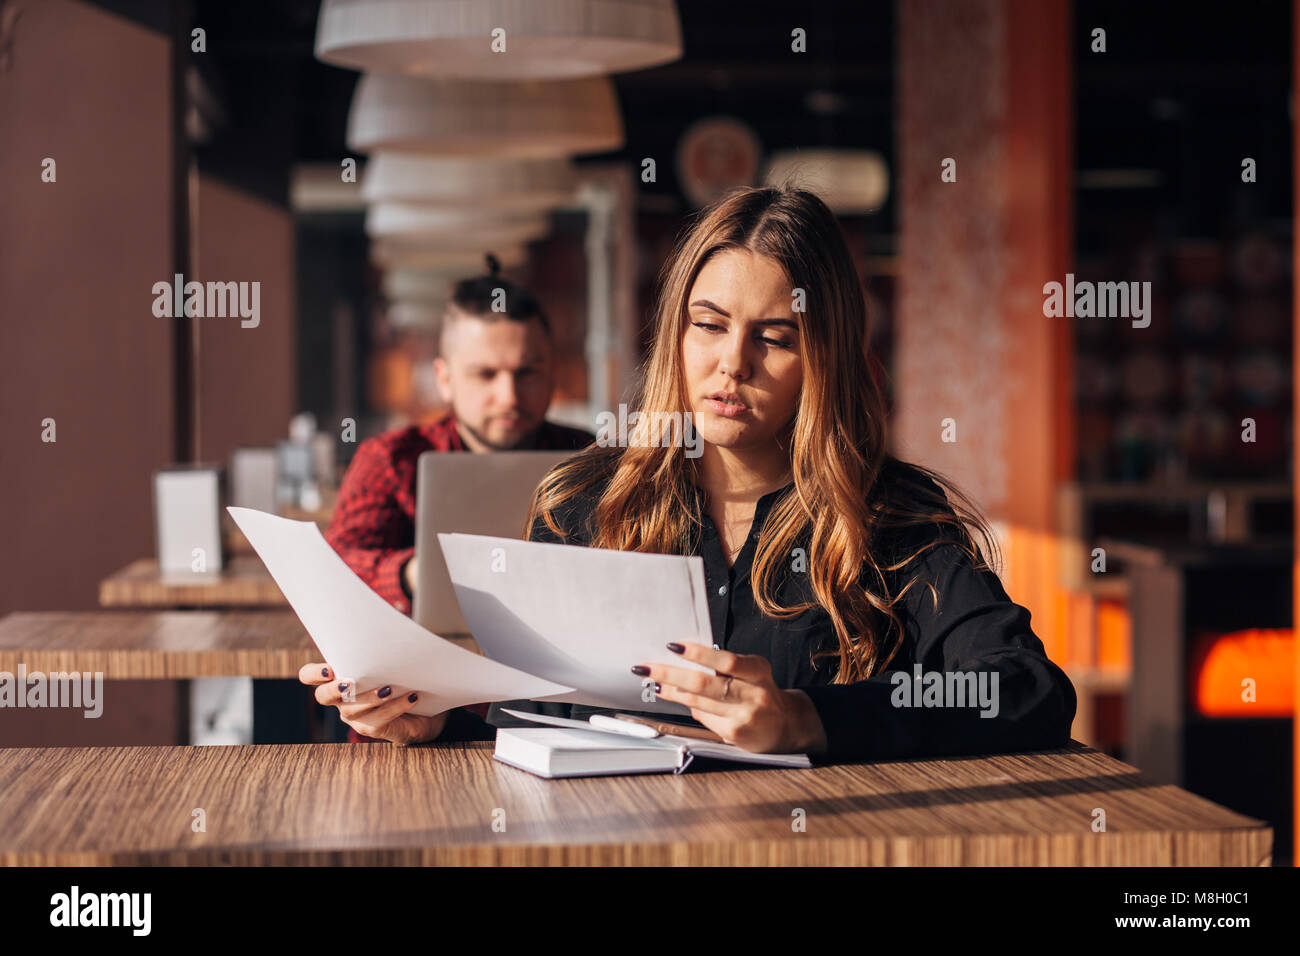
{"x": 709, "y": 305}
{"x": 705, "y": 303}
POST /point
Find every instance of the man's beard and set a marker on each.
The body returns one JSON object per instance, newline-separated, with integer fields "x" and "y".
{"x": 526, "y": 441}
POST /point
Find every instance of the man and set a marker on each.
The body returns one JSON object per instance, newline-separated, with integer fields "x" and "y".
{"x": 496, "y": 370}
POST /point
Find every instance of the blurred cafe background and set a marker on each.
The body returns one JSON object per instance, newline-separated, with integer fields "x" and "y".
{"x": 356, "y": 158}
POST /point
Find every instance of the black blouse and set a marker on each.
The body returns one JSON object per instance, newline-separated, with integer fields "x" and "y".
{"x": 977, "y": 653}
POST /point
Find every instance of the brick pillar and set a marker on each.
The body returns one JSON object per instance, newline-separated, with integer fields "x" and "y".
{"x": 987, "y": 84}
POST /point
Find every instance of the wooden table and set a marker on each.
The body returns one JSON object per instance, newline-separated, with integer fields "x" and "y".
{"x": 157, "y": 645}
{"x": 375, "y": 804}
{"x": 244, "y": 582}
{"x": 172, "y": 646}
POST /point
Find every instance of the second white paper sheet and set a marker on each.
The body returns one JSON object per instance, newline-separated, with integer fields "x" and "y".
{"x": 367, "y": 640}
{"x": 580, "y": 616}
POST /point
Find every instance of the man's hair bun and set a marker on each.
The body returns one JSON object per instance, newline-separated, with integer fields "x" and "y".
{"x": 480, "y": 297}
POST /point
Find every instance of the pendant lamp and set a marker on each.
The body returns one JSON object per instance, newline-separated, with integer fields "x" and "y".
{"x": 482, "y": 182}
{"x": 519, "y": 118}
{"x": 466, "y": 260}
{"x": 436, "y": 225}
{"x": 849, "y": 181}
{"x": 498, "y": 39}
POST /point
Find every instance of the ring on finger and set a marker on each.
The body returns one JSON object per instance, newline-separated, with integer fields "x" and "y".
{"x": 726, "y": 687}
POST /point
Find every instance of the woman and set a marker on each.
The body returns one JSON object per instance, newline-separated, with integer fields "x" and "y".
{"x": 853, "y": 614}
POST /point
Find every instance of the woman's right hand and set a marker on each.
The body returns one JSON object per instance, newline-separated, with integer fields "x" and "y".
{"x": 374, "y": 713}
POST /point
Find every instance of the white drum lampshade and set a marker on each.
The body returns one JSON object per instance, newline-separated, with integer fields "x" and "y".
{"x": 418, "y": 285}
{"x": 435, "y": 225}
{"x": 849, "y": 181}
{"x": 481, "y": 182}
{"x": 518, "y": 118}
{"x": 414, "y": 314}
{"x": 498, "y": 39}
{"x": 465, "y": 260}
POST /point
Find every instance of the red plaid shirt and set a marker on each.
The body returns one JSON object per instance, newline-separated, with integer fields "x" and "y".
{"x": 373, "y": 527}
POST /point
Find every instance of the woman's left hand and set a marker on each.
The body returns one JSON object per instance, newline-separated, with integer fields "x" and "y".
{"x": 741, "y": 703}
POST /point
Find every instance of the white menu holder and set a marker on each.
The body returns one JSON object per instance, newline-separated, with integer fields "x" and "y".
{"x": 187, "y": 516}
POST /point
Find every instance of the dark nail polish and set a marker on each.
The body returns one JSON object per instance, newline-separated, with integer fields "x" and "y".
{"x": 384, "y": 692}
{"x": 343, "y": 687}
{"x": 412, "y": 697}
{"x": 324, "y": 672}
{"x": 658, "y": 687}
{"x": 640, "y": 670}
{"x": 675, "y": 647}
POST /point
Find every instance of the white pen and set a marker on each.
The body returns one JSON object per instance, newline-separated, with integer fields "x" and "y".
{"x": 626, "y": 727}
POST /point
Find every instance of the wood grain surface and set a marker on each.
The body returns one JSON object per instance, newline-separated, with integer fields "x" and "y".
{"x": 376, "y": 804}
{"x": 244, "y": 582}
{"x": 127, "y": 645}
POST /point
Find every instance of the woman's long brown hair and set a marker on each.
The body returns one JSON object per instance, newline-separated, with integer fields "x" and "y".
{"x": 837, "y": 441}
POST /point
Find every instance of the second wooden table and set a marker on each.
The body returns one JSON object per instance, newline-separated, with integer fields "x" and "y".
{"x": 157, "y": 645}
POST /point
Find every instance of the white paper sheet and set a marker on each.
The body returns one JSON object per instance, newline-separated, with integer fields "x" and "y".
{"x": 580, "y": 616}
{"x": 364, "y": 638}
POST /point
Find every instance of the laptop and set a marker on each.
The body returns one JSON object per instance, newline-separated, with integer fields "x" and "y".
{"x": 467, "y": 493}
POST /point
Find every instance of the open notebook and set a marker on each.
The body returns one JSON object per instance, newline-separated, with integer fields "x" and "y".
{"x": 579, "y": 748}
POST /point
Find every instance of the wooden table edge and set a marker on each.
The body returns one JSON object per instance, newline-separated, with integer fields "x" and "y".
{"x": 163, "y": 665}
{"x": 1246, "y": 846}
